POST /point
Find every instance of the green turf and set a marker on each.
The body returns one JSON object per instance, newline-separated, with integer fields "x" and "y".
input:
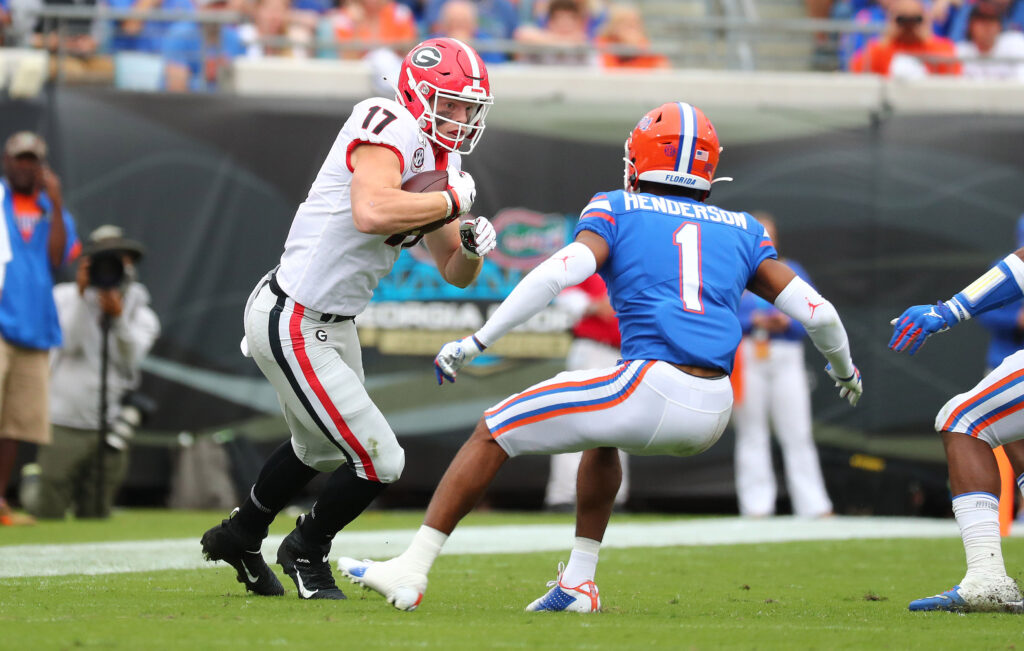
{"x": 155, "y": 524}
{"x": 820, "y": 595}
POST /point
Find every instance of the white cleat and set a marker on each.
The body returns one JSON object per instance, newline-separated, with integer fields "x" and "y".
{"x": 583, "y": 598}
{"x": 996, "y": 594}
{"x": 402, "y": 589}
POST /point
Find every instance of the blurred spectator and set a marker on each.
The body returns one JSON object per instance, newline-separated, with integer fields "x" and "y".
{"x": 907, "y": 48}
{"x": 107, "y": 297}
{"x": 862, "y": 12}
{"x": 377, "y": 21}
{"x": 537, "y": 12}
{"x": 77, "y": 37}
{"x": 458, "y": 19}
{"x": 625, "y": 27}
{"x": 275, "y": 30}
{"x": 959, "y": 16}
{"x": 991, "y": 53}
{"x": 563, "y": 38}
{"x": 142, "y": 35}
{"x": 42, "y": 238}
{"x": 496, "y": 19}
{"x": 24, "y": 18}
{"x": 196, "y": 55}
{"x": 776, "y": 398}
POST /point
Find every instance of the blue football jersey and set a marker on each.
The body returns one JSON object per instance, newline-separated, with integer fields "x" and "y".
{"x": 675, "y": 272}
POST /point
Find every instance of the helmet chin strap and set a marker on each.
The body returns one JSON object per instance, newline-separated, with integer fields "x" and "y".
{"x": 629, "y": 175}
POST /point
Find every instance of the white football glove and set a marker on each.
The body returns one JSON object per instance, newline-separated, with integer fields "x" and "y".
{"x": 851, "y": 388}
{"x": 478, "y": 237}
{"x": 454, "y": 355}
{"x": 461, "y": 192}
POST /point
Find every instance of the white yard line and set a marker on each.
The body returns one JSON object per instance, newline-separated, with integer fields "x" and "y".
{"x": 184, "y": 553}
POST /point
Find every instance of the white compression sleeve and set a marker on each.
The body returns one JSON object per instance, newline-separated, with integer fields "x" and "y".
{"x": 802, "y": 302}
{"x": 574, "y": 301}
{"x": 569, "y": 266}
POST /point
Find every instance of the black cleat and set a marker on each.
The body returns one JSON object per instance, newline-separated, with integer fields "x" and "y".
{"x": 227, "y": 543}
{"x": 308, "y": 566}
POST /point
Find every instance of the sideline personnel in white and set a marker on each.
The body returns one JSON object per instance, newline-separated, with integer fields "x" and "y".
{"x": 776, "y": 397}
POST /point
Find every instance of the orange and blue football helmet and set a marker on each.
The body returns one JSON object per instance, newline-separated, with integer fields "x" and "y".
{"x": 675, "y": 144}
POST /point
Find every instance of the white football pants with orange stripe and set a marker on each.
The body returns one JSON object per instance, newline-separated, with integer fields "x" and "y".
{"x": 641, "y": 406}
{"x": 316, "y": 368}
{"x": 993, "y": 410}
{"x": 561, "y": 489}
{"x": 776, "y": 394}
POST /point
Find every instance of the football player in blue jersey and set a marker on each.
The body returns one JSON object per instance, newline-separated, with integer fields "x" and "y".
{"x": 972, "y": 423}
{"x": 675, "y": 269}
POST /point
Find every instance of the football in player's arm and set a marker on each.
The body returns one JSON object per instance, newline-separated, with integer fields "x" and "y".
{"x": 299, "y": 326}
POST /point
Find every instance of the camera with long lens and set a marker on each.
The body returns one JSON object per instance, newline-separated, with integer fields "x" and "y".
{"x": 106, "y": 270}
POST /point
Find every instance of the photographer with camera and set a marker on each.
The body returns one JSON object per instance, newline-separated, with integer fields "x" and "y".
{"x": 75, "y": 470}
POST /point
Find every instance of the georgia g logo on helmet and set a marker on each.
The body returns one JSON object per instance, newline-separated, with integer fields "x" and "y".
{"x": 437, "y": 73}
{"x": 426, "y": 57}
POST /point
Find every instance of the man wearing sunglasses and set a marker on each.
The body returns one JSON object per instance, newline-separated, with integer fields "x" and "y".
{"x": 907, "y": 47}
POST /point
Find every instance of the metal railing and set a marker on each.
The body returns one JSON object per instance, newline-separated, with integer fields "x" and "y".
{"x": 734, "y": 40}
{"x": 740, "y": 29}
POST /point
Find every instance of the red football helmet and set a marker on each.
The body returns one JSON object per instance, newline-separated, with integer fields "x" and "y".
{"x": 439, "y": 69}
{"x": 674, "y": 144}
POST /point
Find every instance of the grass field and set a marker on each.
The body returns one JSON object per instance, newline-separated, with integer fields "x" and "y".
{"x": 797, "y": 595}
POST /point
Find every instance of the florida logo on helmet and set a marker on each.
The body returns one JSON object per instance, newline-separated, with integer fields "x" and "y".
{"x": 675, "y": 144}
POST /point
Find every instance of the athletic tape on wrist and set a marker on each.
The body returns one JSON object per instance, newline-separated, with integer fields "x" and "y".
{"x": 453, "y": 202}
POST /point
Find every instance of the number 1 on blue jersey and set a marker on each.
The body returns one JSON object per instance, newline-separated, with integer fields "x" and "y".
{"x": 687, "y": 238}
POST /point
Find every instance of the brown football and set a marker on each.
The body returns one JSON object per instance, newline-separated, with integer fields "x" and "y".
{"x": 432, "y": 181}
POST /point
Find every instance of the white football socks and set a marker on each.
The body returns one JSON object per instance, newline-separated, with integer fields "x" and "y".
{"x": 582, "y": 562}
{"x": 423, "y": 550}
{"x": 978, "y": 517}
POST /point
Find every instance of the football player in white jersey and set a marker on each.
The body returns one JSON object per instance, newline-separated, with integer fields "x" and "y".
{"x": 299, "y": 326}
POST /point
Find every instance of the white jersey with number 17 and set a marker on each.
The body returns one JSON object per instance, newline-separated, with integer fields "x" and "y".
{"x": 327, "y": 264}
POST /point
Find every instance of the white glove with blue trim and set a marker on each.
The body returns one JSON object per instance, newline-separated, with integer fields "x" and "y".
{"x": 850, "y": 388}
{"x": 454, "y": 355}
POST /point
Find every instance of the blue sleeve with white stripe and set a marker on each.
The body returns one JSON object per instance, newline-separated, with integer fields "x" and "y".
{"x": 599, "y": 217}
